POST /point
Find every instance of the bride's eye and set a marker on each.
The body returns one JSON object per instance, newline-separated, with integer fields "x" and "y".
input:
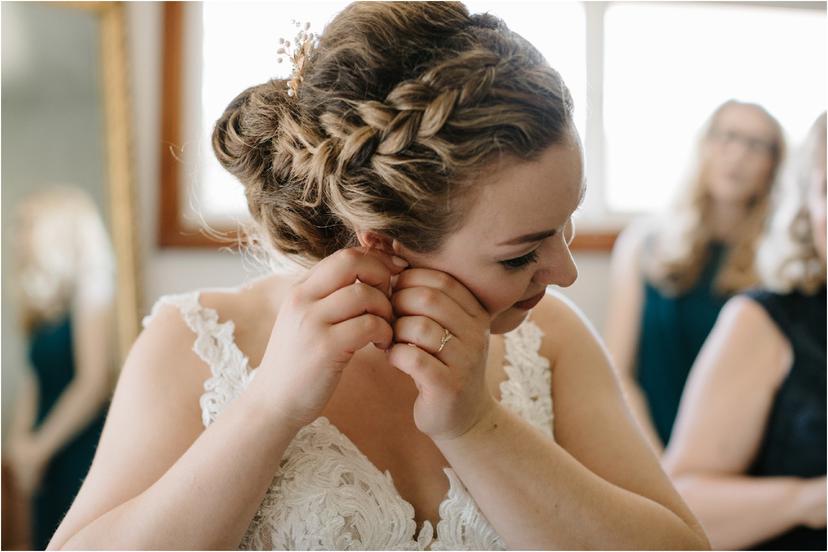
{"x": 520, "y": 262}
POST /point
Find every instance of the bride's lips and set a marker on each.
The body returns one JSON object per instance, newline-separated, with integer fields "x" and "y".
{"x": 531, "y": 302}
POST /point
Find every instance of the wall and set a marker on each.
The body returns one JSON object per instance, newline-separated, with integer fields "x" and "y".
{"x": 164, "y": 270}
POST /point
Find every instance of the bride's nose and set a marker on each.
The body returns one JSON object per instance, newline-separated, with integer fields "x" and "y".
{"x": 557, "y": 267}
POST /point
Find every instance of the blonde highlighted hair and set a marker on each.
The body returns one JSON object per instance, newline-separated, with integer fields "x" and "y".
{"x": 399, "y": 106}
{"x": 680, "y": 244}
{"x": 788, "y": 259}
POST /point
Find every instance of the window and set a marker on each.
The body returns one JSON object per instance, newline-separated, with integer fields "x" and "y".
{"x": 667, "y": 67}
{"x": 239, "y": 43}
{"x": 644, "y": 77}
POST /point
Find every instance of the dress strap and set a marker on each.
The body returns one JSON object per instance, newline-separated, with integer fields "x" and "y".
{"x": 186, "y": 303}
{"x": 214, "y": 344}
{"x": 527, "y": 391}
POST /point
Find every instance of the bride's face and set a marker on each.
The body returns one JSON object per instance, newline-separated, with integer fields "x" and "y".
{"x": 515, "y": 239}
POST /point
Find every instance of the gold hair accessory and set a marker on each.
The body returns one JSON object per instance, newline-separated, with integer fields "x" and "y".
{"x": 297, "y": 52}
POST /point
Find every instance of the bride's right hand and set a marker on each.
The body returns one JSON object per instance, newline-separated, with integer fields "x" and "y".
{"x": 340, "y": 306}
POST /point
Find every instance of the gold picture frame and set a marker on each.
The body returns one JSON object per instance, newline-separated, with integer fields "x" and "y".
{"x": 119, "y": 167}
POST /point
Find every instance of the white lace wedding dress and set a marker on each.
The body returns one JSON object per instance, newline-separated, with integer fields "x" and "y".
{"x": 326, "y": 494}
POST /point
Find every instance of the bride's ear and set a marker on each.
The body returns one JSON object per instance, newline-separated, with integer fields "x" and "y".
{"x": 380, "y": 242}
{"x": 375, "y": 240}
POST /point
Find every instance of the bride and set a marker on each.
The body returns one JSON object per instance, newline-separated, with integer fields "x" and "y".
{"x": 414, "y": 387}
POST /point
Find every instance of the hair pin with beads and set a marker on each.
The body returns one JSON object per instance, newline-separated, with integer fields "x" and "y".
{"x": 297, "y": 52}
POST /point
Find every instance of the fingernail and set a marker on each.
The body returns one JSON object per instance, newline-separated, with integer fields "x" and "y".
{"x": 399, "y": 261}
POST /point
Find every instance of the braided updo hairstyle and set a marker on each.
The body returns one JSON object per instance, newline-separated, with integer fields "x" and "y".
{"x": 400, "y": 107}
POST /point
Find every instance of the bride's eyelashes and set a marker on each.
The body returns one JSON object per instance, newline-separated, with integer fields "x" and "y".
{"x": 520, "y": 262}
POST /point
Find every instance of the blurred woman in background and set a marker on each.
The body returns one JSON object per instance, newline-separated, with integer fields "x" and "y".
{"x": 670, "y": 277}
{"x": 748, "y": 451}
{"x": 64, "y": 279}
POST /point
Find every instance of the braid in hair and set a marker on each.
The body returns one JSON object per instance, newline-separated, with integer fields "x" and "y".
{"x": 385, "y": 139}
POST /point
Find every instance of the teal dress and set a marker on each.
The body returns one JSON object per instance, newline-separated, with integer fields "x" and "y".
{"x": 673, "y": 330}
{"x": 51, "y": 355}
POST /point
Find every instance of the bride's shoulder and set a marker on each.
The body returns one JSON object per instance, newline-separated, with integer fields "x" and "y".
{"x": 177, "y": 319}
{"x": 565, "y": 328}
{"x": 252, "y": 308}
{"x": 256, "y": 300}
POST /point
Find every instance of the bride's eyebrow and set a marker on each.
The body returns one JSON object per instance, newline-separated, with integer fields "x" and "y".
{"x": 543, "y": 234}
{"x": 535, "y": 236}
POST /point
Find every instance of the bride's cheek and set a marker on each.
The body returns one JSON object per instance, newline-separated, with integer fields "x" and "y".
{"x": 498, "y": 298}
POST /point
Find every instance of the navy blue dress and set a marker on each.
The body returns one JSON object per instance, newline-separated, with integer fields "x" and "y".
{"x": 51, "y": 355}
{"x": 794, "y": 440}
{"x": 673, "y": 330}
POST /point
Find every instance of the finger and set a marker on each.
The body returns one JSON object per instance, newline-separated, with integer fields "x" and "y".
{"x": 427, "y": 371}
{"x": 448, "y": 284}
{"x": 421, "y": 331}
{"x": 353, "y": 334}
{"x": 353, "y": 300}
{"x": 344, "y": 267}
{"x": 433, "y": 303}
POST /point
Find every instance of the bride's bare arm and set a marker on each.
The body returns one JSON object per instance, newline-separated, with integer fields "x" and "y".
{"x": 597, "y": 485}
{"x": 159, "y": 479}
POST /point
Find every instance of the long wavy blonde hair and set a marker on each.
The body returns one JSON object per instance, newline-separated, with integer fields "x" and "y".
{"x": 787, "y": 258}
{"x": 63, "y": 255}
{"x": 679, "y": 245}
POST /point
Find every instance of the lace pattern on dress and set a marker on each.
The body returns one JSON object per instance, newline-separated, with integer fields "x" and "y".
{"x": 338, "y": 501}
{"x": 326, "y": 493}
{"x": 527, "y": 391}
{"x": 216, "y": 346}
{"x": 329, "y": 501}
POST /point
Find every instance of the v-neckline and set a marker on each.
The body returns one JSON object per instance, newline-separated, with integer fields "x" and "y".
{"x": 324, "y": 421}
{"x": 416, "y": 537}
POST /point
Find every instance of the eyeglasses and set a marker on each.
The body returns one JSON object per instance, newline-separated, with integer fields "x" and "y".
{"x": 754, "y": 145}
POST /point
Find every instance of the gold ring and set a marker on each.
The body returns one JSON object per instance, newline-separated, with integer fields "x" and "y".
{"x": 447, "y": 335}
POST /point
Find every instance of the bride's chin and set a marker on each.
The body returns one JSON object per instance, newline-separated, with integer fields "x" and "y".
{"x": 507, "y": 321}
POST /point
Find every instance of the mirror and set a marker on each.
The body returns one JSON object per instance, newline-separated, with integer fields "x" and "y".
{"x": 69, "y": 231}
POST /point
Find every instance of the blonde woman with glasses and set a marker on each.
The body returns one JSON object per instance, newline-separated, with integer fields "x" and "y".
{"x": 672, "y": 274}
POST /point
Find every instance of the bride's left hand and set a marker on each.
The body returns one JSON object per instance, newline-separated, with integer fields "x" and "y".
{"x": 453, "y": 395}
